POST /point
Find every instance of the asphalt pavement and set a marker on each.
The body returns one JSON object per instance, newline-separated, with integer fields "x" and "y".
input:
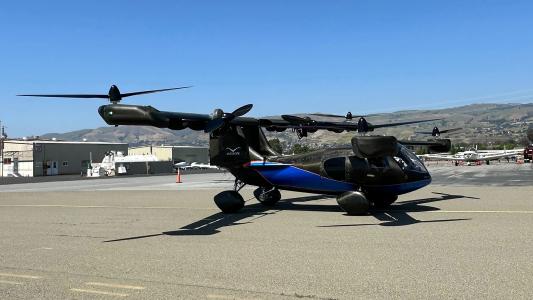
{"x": 152, "y": 238}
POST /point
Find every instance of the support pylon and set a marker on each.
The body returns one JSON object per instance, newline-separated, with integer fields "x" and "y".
{"x": 178, "y": 177}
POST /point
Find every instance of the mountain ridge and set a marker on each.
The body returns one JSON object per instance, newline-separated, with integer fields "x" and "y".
{"x": 482, "y": 122}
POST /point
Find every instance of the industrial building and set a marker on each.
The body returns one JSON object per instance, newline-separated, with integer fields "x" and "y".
{"x": 47, "y": 158}
{"x": 175, "y": 154}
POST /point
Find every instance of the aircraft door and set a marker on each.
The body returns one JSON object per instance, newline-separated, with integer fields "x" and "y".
{"x": 15, "y": 166}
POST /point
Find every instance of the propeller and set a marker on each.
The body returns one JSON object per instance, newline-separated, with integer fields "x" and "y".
{"x": 113, "y": 95}
{"x": 221, "y": 118}
{"x": 362, "y": 124}
{"x": 436, "y": 132}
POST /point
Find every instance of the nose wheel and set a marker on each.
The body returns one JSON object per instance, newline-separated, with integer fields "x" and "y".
{"x": 230, "y": 201}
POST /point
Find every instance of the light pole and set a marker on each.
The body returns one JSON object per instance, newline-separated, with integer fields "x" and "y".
{"x": 3, "y": 136}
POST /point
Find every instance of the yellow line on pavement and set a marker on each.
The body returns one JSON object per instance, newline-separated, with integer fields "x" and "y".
{"x": 20, "y": 276}
{"x": 120, "y": 286}
{"x": 484, "y": 211}
{"x": 99, "y": 292}
{"x": 105, "y": 206}
{"x": 214, "y": 296}
{"x": 10, "y": 282}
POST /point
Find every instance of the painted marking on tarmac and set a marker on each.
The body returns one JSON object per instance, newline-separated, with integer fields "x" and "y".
{"x": 11, "y": 282}
{"x": 119, "y": 286}
{"x": 213, "y": 296}
{"x": 20, "y": 276}
{"x": 105, "y": 206}
{"x": 464, "y": 211}
{"x": 485, "y": 211}
{"x": 99, "y": 292}
{"x": 43, "y": 248}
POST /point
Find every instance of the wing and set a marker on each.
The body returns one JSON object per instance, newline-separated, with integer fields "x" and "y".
{"x": 498, "y": 155}
{"x": 401, "y": 123}
{"x": 441, "y": 157}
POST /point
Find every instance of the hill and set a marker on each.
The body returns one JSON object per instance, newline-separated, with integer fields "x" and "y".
{"x": 482, "y": 123}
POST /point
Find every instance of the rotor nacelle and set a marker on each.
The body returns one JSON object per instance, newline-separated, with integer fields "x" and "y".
{"x": 362, "y": 125}
{"x": 435, "y": 131}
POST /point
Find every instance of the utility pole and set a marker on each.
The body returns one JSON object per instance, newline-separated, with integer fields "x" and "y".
{"x": 3, "y": 136}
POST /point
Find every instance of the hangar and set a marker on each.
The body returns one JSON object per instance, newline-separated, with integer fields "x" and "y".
{"x": 175, "y": 154}
{"x": 47, "y": 157}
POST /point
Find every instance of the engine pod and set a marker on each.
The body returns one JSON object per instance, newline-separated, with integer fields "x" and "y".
{"x": 374, "y": 146}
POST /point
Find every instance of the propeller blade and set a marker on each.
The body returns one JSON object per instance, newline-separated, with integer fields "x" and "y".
{"x": 337, "y": 116}
{"x": 114, "y": 94}
{"x": 328, "y": 115}
{"x": 153, "y": 91}
{"x": 242, "y": 110}
{"x": 424, "y": 132}
{"x": 67, "y": 96}
{"x": 401, "y": 123}
{"x": 450, "y": 130}
{"x": 214, "y": 125}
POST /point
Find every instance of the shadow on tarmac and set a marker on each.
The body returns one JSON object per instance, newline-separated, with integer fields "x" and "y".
{"x": 395, "y": 215}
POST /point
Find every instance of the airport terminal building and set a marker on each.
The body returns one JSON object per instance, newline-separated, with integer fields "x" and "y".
{"x": 175, "y": 154}
{"x": 47, "y": 158}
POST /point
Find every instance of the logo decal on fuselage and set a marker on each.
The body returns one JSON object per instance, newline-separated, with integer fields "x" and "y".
{"x": 233, "y": 152}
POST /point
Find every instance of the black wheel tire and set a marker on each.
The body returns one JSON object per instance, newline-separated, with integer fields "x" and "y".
{"x": 229, "y": 201}
{"x": 382, "y": 201}
{"x": 353, "y": 203}
{"x": 267, "y": 197}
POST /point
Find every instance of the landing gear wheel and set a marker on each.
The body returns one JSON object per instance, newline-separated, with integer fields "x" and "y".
{"x": 267, "y": 197}
{"x": 382, "y": 201}
{"x": 353, "y": 203}
{"x": 229, "y": 201}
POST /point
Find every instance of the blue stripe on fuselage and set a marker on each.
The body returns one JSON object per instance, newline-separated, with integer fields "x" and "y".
{"x": 294, "y": 178}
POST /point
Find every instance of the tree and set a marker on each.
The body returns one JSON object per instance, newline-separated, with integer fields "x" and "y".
{"x": 276, "y": 145}
{"x": 300, "y": 149}
{"x": 421, "y": 150}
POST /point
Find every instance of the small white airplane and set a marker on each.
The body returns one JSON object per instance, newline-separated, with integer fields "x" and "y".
{"x": 181, "y": 165}
{"x": 194, "y": 165}
{"x": 473, "y": 156}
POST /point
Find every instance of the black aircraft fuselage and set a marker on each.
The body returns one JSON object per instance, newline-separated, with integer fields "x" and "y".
{"x": 376, "y": 168}
{"x": 373, "y": 171}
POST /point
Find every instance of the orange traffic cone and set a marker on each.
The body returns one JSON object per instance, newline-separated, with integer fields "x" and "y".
{"x": 178, "y": 177}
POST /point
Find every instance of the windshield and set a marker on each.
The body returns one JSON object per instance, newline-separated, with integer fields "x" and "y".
{"x": 408, "y": 160}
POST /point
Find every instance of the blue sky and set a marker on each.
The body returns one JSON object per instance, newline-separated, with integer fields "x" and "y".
{"x": 282, "y": 56}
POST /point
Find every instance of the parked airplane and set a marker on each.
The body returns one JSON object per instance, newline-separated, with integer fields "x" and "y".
{"x": 473, "y": 156}
{"x": 201, "y": 166}
{"x": 181, "y": 165}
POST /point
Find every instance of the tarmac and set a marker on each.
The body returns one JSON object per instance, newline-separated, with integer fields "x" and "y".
{"x": 467, "y": 235}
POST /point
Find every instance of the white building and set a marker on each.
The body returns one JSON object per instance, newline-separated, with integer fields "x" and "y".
{"x": 47, "y": 158}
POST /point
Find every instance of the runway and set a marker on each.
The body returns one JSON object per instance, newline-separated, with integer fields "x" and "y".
{"x": 150, "y": 238}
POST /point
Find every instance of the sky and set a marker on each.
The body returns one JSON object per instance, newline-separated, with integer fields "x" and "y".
{"x": 283, "y": 56}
